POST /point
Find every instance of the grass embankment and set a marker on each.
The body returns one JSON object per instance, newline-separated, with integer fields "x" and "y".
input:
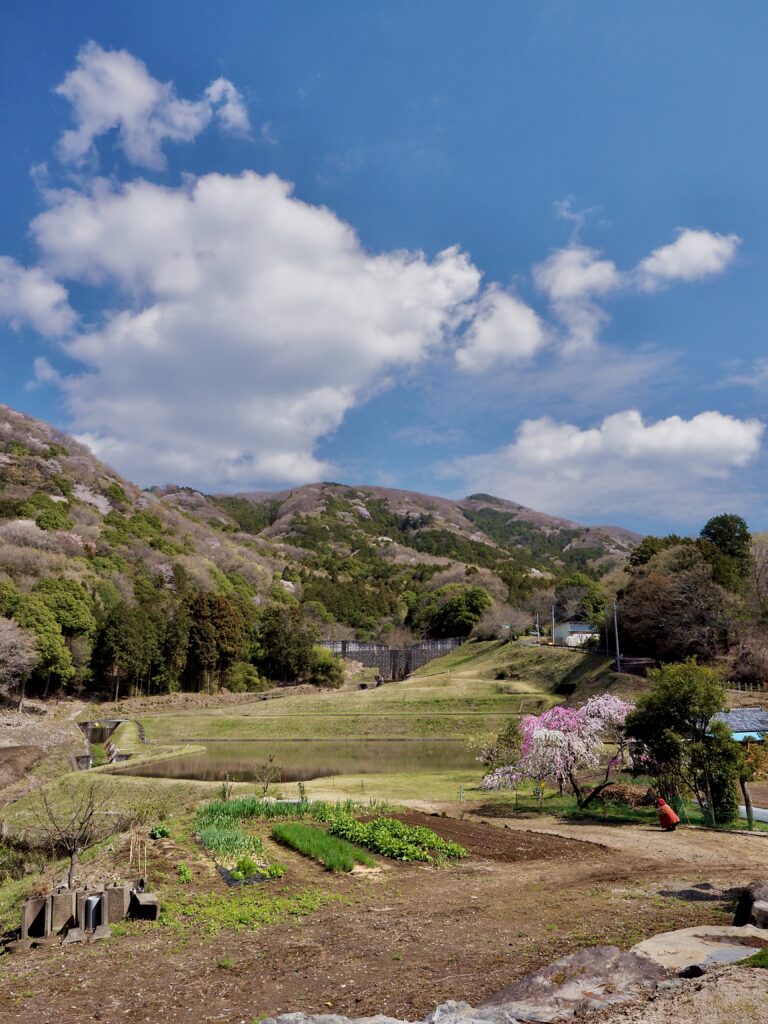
{"x": 450, "y": 697}
{"x": 333, "y": 853}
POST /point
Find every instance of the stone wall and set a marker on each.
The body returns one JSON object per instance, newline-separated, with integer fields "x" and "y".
{"x": 392, "y": 663}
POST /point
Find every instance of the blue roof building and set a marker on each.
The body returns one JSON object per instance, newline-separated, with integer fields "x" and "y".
{"x": 745, "y": 723}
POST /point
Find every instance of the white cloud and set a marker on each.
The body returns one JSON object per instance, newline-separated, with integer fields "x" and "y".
{"x": 504, "y": 330}
{"x": 673, "y": 467}
{"x": 572, "y": 278}
{"x": 29, "y": 297}
{"x": 44, "y": 373}
{"x": 756, "y": 377}
{"x": 694, "y": 254}
{"x": 252, "y": 323}
{"x": 112, "y": 89}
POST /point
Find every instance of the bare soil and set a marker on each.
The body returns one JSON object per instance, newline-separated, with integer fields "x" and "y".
{"x": 16, "y": 761}
{"x": 405, "y": 939}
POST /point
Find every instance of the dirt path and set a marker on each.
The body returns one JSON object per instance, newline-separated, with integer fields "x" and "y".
{"x": 407, "y": 939}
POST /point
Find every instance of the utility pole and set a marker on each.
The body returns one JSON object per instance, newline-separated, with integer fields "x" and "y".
{"x": 607, "y": 624}
{"x": 538, "y": 630}
{"x": 553, "y": 625}
{"x": 616, "y": 635}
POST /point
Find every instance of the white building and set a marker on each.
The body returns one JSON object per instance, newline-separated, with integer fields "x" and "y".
{"x": 575, "y": 634}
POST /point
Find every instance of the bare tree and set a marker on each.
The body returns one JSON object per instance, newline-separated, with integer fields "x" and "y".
{"x": 758, "y": 576}
{"x": 83, "y": 818}
{"x": 265, "y": 775}
{"x": 18, "y": 656}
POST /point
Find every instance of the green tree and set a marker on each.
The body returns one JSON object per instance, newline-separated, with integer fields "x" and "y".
{"x": 70, "y": 603}
{"x": 203, "y": 646}
{"x": 580, "y": 597}
{"x": 54, "y": 658}
{"x": 725, "y": 542}
{"x": 671, "y": 608}
{"x": 673, "y": 723}
{"x": 285, "y": 645}
{"x": 452, "y": 610}
{"x": 650, "y": 546}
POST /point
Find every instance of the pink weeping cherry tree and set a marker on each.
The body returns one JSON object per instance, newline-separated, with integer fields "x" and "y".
{"x": 562, "y": 742}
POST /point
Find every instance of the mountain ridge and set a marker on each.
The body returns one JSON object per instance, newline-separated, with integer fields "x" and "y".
{"x": 354, "y": 556}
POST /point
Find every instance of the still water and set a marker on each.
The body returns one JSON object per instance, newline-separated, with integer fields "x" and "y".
{"x": 300, "y": 760}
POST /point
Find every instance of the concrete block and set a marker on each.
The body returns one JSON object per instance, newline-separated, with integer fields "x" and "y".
{"x": 117, "y": 899}
{"x": 62, "y": 911}
{"x": 74, "y": 935}
{"x": 82, "y": 896}
{"x": 18, "y": 946}
{"x": 145, "y": 906}
{"x": 36, "y": 918}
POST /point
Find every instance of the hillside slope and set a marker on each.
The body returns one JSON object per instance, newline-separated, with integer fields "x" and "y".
{"x": 356, "y": 557}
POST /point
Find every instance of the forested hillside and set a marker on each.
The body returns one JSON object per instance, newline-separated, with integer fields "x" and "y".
{"x": 105, "y": 587}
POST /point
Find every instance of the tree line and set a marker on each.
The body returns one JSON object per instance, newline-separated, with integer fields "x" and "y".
{"x": 170, "y": 635}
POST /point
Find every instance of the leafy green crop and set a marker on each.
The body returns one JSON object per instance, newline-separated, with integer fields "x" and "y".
{"x": 392, "y": 838}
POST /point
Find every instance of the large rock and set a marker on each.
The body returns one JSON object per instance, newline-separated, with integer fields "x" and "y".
{"x": 704, "y": 946}
{"x": 591, "y": 979}
{"x": 752, "y": 907}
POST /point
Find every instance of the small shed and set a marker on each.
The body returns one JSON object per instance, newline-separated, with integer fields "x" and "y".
{"x": 575, "y": 634}
{"x": 745, "y": 723}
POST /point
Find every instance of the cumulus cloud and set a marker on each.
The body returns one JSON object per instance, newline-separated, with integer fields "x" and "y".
{"x": 674, "y": 467}
{"x": 577, "y": 279}
{"x": 30, "y": 297}
{"x": 573, "y": 278}
{"x": 251, "y": 323}
{"x": 504, "y": 330}
{"x": 694, "y": 254}
{"x": 112, "y": 89}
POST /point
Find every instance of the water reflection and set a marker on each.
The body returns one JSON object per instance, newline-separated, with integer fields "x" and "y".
{"x": 300, "y": 760}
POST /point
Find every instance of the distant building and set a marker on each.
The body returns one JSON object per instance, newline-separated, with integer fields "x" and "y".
{"x": 745, "y": 723}
{"x": 575, "y": 634}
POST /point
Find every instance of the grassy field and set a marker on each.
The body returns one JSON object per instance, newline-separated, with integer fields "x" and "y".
{"x": 451, "y": 697}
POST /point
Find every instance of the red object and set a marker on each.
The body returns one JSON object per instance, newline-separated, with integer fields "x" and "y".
{"x": 667, "y": 817}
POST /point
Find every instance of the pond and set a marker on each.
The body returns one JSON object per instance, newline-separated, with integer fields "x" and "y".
{"x": 301, "y": 760}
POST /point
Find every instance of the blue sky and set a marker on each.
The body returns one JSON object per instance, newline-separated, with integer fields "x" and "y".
{"x": 512, "y": 247}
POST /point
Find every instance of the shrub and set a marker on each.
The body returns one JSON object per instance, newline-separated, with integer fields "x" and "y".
{"x": 159, "y": 832}
{"x": 244, "y": 678}
{"x": 325, "y": 669}
{"x": 185, "y": 875}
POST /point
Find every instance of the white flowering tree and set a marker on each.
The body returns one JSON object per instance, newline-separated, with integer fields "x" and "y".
{"x": 562, "y": 742}
{"x": 18, "y": 656}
